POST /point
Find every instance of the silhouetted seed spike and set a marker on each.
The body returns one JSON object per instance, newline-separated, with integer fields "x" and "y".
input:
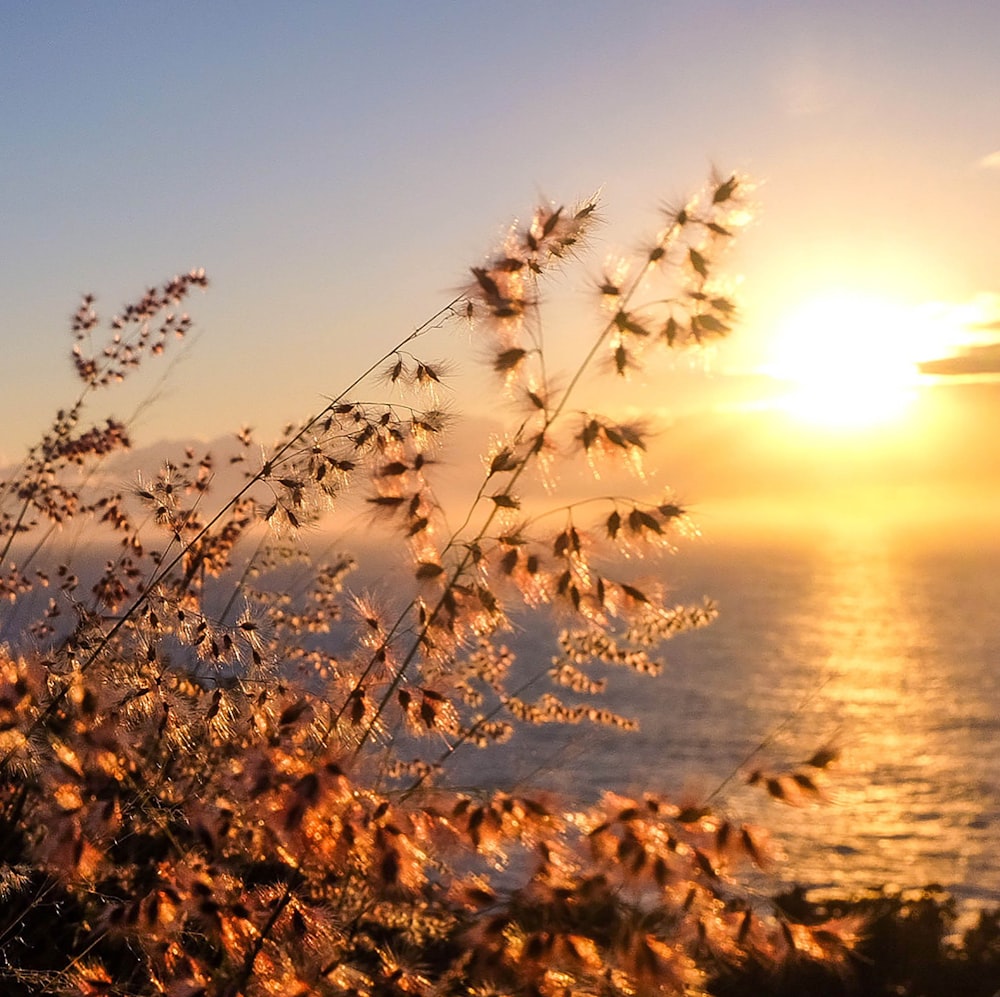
{"x": 775, "y": 788}
{"x": 357, "y": 707}
{"x": 509, "y": 359}
{"x": 428, "y": 713}
{"x": 480, "y": 896}
{"x": 486, "y": 282}
{"x": 537, "y": 945}
{"x": 708, "y": 323}
{"x": 389, "y": 867}
{"x": 649, "y": 522}
{"x": 823, "y": 758}
{"x": 698, "y": 262}
{"x": 705, "y": 864}
{"x": 475, "y": 823}
{"x": 216, "y": 703}
{"x": 503, "y": 461}
{"x": 292, "y": 713}
{"x": 299, "y": 926}
{"x": 725, "y": 190}
{"x": 805, "y": 782}
{"x": 626, "y": 851}
{"x": 599, "y": 590}
{"x": 633, "y": 593}
{"x": 551, "y": 221}
{"x": 589, "y": 433}
{"x": 691, "y": 815}
{"x": 509, "y": 561}
{"x": 561, "y": 544}
{"x": 750, "y": 847}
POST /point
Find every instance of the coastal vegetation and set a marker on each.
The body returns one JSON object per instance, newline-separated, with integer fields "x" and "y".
{"x": 214, "y": 782}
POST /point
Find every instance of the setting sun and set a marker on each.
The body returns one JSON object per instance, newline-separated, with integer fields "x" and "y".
{"x": 850, "y": 361}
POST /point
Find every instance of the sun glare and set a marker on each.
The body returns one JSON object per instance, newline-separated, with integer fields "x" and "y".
{"x": 849, "y": 361}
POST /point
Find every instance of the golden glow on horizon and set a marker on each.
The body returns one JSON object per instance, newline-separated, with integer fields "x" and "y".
{"x": 850, "y": 360}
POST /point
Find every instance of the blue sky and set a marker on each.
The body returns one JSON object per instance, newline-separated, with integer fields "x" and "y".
{"x": 337, "y": 167}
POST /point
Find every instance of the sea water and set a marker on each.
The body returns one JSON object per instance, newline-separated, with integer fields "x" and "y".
{"x": 885, "y": 650}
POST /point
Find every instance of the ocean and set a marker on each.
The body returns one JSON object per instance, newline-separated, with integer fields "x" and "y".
{"x": 885, "y": 649}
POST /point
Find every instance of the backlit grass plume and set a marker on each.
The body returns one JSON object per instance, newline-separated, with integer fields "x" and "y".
{"x": 215, "y": 782}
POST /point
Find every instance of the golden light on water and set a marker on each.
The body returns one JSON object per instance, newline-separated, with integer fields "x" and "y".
{"x": 899, "y": 808}
{"x": 849, "y": 361}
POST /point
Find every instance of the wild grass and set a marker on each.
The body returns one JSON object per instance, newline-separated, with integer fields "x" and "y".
{"x": 210, "y": 785}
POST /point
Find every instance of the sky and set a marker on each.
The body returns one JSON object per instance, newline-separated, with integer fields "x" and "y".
{"x": 338, "y": 167}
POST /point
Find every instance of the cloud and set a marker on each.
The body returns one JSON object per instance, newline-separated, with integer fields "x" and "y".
{"x": 990, "y": 162}
{"x": 972, "y": 360}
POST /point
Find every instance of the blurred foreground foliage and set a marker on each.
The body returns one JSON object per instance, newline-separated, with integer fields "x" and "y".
{"x": 911, "y": 947}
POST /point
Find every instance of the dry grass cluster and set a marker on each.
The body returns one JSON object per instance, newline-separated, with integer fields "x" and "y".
{"x": 199, "y": 796}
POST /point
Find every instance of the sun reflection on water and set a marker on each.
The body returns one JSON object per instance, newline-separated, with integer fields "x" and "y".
{"x": 914, "y": 790}
{"x": 859, "y": 642}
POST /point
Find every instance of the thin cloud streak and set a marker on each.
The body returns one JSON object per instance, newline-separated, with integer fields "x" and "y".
{"x": 972, "y": 360}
